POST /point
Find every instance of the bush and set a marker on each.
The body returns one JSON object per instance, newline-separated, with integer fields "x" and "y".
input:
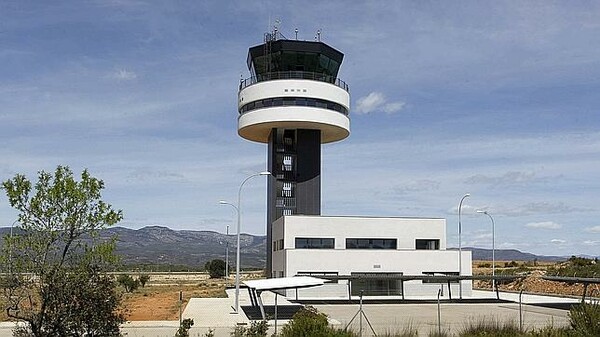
{"x": 585, "y": 319}
{"x": 215, "y": 268}
{"x": 511, "y": 264}
{"x": 256, "y": 329}
{"x": 144, "y": 278}
{"x": 127, "y": 282}
{"x": 576, "y": 266}
{"x": 309, "y": 322}
{"x": 184, "y": 328}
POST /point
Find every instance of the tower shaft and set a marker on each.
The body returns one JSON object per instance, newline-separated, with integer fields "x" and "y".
{"x": 294, "y": 102}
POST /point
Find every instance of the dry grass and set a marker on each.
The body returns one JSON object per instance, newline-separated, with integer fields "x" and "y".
{"x": 157, "y": 303}
{"x": 159, "y": 300}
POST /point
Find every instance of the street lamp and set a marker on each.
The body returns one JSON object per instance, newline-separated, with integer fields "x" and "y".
{"x": 460, "y": 244}
{"x": 493, "y": 248}
{"x": 227, "y": 253}
{"x": 238, "y": 209}
{"x": 10, "y": 248}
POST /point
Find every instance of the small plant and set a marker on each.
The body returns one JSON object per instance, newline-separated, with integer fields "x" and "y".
{"x": 256, "y": 329}
{"x": 486, "y": 326}
{"x": 408, "y": 330}
{"x": 438, "y": 334}
{"x": 210, "y": 333}
{"x": 184, "y": 328}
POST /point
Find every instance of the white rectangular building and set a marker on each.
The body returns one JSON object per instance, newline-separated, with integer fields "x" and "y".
{"x": 366, "y": 254}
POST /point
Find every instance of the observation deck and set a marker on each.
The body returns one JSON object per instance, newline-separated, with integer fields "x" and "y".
{"x": 293, "y": 85}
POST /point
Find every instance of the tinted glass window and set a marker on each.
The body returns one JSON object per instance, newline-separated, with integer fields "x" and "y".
{"x": 315, "y": 243}
{"x": 359, "y": 243}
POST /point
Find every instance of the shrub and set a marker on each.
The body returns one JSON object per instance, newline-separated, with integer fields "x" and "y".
{"x": 256, "y": 329}
{"x": 127, "y": 282}
{"x": 585, "y": 319}
{"x": 144, "y": 278}
{"x": 184, "y": 328}
{"x": 215, "y": 268}
{"x": 309, "y": 322}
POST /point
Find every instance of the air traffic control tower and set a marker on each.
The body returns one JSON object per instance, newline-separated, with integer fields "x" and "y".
{"x": 294, "y": 102}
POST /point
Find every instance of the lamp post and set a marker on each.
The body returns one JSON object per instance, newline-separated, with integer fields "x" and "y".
{"x": 493, "y": 248}
{"x": 238, "y": 209}
{"x": 10, "y": 248}
{"x": 460, "y": 244}
{"x": 227, "y": 253}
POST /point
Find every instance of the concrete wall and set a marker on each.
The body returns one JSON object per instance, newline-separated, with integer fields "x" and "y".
{"x": 405, "y": 259}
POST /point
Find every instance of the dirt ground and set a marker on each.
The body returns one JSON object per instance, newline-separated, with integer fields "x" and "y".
{"x": 159, "y": 300}
{"x": 532, "y": 282}
{"x": 161, "y": 303}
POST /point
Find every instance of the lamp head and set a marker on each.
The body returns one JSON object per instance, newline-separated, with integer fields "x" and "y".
{"x": 481, "y": 211}
{"x": 265, "y": 173}
{"x": 223, "y": 202}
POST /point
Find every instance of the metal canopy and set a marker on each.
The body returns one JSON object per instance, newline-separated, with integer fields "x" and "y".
{"x": 256, "y": 287}
{"x": 284, "y": 283}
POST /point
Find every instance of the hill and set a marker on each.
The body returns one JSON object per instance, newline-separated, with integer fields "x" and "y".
{"x": 156, "y": 245}
{"x": 510, "y": 255}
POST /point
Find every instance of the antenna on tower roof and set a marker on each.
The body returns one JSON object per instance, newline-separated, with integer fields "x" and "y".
{"x": 318, "y": 36}
{"x": 276, "y": 27}
{"x": 296, "y": 31}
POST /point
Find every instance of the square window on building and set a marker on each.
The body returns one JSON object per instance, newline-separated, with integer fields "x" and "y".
{"x": 427, "y": 244}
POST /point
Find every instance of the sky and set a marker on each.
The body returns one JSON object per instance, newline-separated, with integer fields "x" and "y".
{"x": 498, "y": 99}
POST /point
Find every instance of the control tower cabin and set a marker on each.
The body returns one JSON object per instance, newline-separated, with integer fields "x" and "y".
{"x": 294, "y": 102}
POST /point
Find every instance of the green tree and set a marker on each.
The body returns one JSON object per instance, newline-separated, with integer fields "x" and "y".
{"x": 56, "y": 266}
{"x": 215, "y": 268}
{"x": 128, "y": 283}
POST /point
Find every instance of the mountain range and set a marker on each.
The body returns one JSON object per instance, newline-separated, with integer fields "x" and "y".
{"x": 157, "y": 245}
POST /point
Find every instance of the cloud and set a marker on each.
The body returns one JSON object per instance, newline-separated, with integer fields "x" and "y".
{"x": 464, "y": 210}
{"x": 540, "y": 208}
{"x": 594, "y": 229}
{"x": 591, "y": 242}
{"x": 544, "y": 225}
{"x": 124, "y": 75}
{"x": 558, "y": 241}
{"x": 376, "y": 101}
{"x": 149, "y": 175}
{"x": 417, "y": 186}
{"x": 511, "y": 178}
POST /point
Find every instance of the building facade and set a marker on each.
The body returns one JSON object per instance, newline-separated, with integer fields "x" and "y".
{"x": 366, "y": 254}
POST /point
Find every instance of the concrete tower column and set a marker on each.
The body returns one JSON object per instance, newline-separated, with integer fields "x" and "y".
{"x": 293, "y": 102}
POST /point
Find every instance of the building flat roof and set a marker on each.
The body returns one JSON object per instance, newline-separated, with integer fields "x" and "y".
{"x": 285, "y": 283}
{"x": 364, "y": 217}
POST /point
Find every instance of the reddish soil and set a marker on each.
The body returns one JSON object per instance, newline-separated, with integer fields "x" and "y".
{"x": 161, "y": 303}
